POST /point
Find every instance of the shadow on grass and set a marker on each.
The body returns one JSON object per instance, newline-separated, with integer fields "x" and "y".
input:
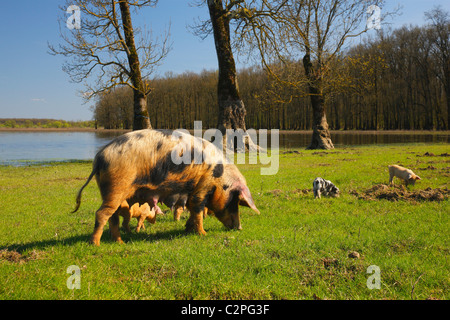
{"x": 106, "y": 238}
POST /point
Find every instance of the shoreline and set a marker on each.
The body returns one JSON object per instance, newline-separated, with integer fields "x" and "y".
{"x": 443, "y": 132}
{"x": 61, "y": 130}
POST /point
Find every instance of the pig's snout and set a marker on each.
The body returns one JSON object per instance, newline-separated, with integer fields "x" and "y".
{"x": 235, "y": 223}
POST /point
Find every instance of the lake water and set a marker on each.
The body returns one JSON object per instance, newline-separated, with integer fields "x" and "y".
{"x": 21, "y": 148}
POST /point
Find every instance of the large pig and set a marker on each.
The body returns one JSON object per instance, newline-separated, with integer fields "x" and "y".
{"x": 155, "y": 164}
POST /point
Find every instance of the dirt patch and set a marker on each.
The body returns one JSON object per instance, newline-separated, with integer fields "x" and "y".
{"x": 303, "y": 192}
{"x": 430, "y": 167}
{"x": 399, "y": 192}
{"x": 278, "y": 192}
{"x": 320, "y": 153}
{"x": 275, "y": 192}
{"x": 16, "y": 257}
{"x": 330, "y": 263}
{"x": 289, "y": 193}
{"x": 291, "y": 151}
{"x": 431, "y": 154}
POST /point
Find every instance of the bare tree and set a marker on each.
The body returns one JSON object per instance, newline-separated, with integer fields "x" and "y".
{"x": 232, "y": 111}
{"x": 104, "y": 47}
{"x": 311, "y": 31}
{"x": 231, "y": 108}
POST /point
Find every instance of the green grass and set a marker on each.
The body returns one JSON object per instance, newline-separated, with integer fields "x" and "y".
{"x": 280, "y": 254}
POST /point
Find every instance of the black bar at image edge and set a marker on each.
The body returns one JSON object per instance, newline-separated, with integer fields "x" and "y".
{"x": 222, "y": 309}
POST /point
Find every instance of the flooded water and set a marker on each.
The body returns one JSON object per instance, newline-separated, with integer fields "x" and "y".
{"x": 21, "y": 148}
{"x": 18, "y": 148}
{"x": 302, "y": 139}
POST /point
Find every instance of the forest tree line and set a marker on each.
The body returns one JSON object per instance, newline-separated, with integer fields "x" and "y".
{"x": 20, "y": 123}
{"x": 392, "y": 81}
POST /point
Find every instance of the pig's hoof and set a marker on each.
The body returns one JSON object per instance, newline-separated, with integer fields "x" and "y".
{"x": 190, "y": 228}
{"x": 95, "y": 243}
{"x": 199, "y": 232}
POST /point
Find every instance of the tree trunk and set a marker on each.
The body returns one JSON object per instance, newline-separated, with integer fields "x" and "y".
{"x": 141, "y": 119}
{"x": 231, "y": 108}
{"x": 447, "y": 90}
{"x": 232, "y": 111}
{"x": 321, "y": 138}
{"x": 448, "y": 107}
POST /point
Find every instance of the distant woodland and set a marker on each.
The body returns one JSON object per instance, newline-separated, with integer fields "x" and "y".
{"x": 389, "y": 82}
{"x": 19, "y": 123}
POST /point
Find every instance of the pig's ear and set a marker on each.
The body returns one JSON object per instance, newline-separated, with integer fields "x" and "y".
{"x": 245, "y": 199}
{"x": 418, "y": 178}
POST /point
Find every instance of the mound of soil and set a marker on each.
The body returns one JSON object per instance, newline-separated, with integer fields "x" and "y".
{"x": 430, "y": 167}
{"x": 16, "y": 257}
{"x": 431, "y": 154}
{"x": 399, "y": 192}
{"x": 303, "y": 191}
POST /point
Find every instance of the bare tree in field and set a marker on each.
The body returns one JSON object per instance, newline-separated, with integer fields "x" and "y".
{"x": 311, "y": 31}
{"x": 105, "y": 47}
{"x": 232, "y": 112}
{"x": 231, "y": 108}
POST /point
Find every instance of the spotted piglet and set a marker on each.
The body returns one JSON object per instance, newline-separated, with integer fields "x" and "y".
{"x": 324, "y": 187}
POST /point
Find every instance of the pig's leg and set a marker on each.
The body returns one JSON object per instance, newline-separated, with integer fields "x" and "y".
{"x": 126, "y": 223}
{"x": 151, "y": 217}
{"x": 103, "y": 214}
{"x": 316, "y": 193}
{"x": 124, "y": 211}
{"x": 391, "y": 176}
{"x": 196, "y": 206}
{"x": 114, "y": 222}
{"x": 140, "y": 225}
{"x": 195, "y": 223}
{"x": 177, "y": 212}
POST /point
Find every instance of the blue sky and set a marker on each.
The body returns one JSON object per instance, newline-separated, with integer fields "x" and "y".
{"x": 33, "y": 85}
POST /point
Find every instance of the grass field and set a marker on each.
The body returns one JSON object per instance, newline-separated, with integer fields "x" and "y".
{"x": 298, "y": 248}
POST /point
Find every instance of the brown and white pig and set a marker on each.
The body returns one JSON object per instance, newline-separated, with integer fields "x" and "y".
{"x": 155, "y": 164}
